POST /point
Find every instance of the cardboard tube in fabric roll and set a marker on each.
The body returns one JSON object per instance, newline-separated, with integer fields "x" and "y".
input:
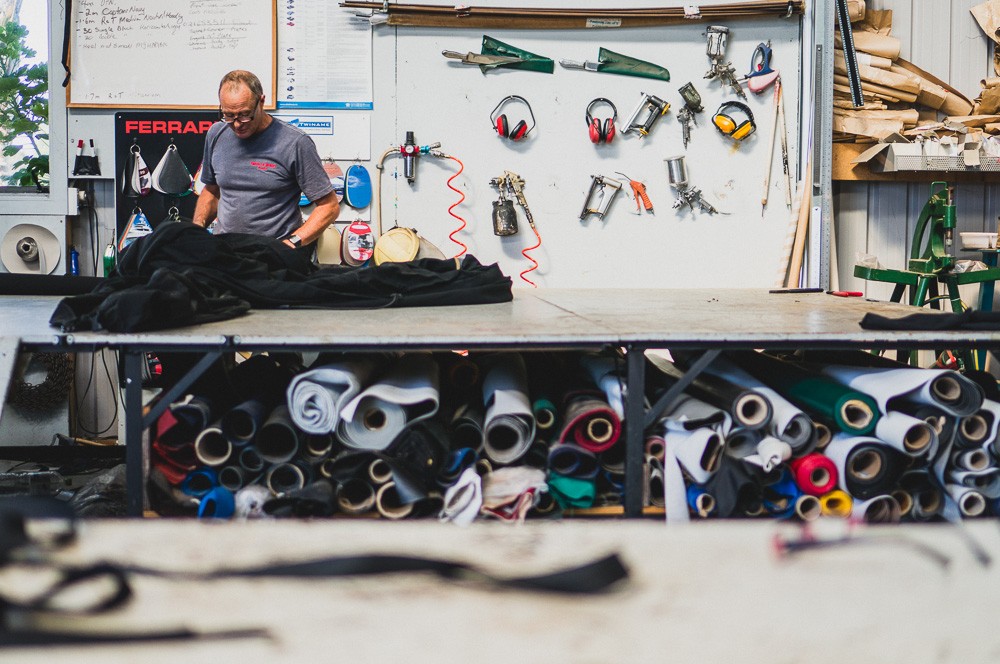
{"x": 317, "y": 446}
{"x": 464, "y": 499}
{"x": 970, "y": 502}
{"x": 285, "y": 477}
{"x": 316, "y": 397}
{"x": 700, "y": 503}
{"x": 866, "y": 467}
{"x": 379, "y": 472}
{"x": 815, "y": 474}
{"x": 249, "y": 459}
{"x": 878, "y": 509}
{"x": 232, "y": 478}
{"x": 823, "y": 435}
{"x": 847, "y": 408}
{"x": 970, "y": 459}
{"x": 986, "y": 482}
{"x": 741, "y": 443}
{"x": 212, "y": 447}
{"x": 910, "y": 435}
{"x": 545, "y": 414}
{"x": 990, "y": 412}
{"x": 655, "y": 447}
{"x": 590, "y": 423}
{"x": 278, "y": 438}
{"x": 946, "y": 389}
{"x": 355, "y": 496}
{"x": 389, "y": 505}
{"x": 808, "y": 508}
{"x": 509, "y": 425}
{"x": 928, "y": 501}
{"x": 837, "y": 504}
{"x": 972, "y": 431}
{"x": 571, "y": 460}
{"x": 241, "y": 423}
{"x": 905, "y": 501}
{"x": 406, "y": 394}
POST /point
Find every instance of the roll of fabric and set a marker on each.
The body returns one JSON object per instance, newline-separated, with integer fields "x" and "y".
{"x": 700, "y": 502}
{"x": 193, "y": 410}
{"x": 692, "y": 413}
{"x": 612, "y": 459}
{"x": 655, "y": 446}
{"x": 808, "y": 508}
{"x": 737, "y": 488}
{"x": 455, "y": 465}
{"x": 780, "y": 498}
{"x": 742, "y": 443}
{"x": 217, "y": 504}
{"x": 388, "y": 503}
{"x": 408, "y": 393}
{"x": 748, "y": 408}
{"x": 866, "y": 467}
{"x": 787, "y": 422}
{"x": 249, "y": 502}
{"x": 463, "y": 499}
{"x": 986, "y": 481}
{"x": 926, "y": 496}
{"x": 546, "y": 414}
{"x": 699, "y": 453}
{"x": 590, "y": 422}
{"x": 608, "y": 373}
{"x": 815, "y": 474}
{"x": 908, "y": 434}
{"x": 212, "y": 447}
{"x": 318, "y": 446}
{"x": 250, "y": 460}
{"x": 355, "y": 496}
{"x": 877, "y": 509}
{"x": 315, "y": 499}
{"x": 654, "y": 489}
{"x": 849, "y": 409}
{"x": 977, "y": 459}
{"x": 771, "y": 453}
{"x": 466, "y": 428}
{"x": 317, "y": 396}
{"x": 200, "y": 482}
{"x": 973, "y": 430}
{"x": 232, "y": 478}
{"x": 970, "y": 502}
{"x": 286, "y": 477}
{"x": 823, "y": 435}
{"x": 508, "y": 426}
{"x": 379, "y": 472}
{"x": 836, "y": 504}
{"x": 240, "y": 424}
{"x": 278, "y": 439}
{"x": 946, "y": 389}
{"x": 570, "y": 460}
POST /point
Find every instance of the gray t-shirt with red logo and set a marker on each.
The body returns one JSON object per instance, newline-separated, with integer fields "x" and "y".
{"x": 260, "y": 178}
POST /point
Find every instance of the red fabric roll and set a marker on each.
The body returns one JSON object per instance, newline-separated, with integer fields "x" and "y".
{"x": 591, "y": 424}
{"x": 815, "y": 473}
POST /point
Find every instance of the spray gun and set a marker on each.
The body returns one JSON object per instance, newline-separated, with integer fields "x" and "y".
{"x": 410, "y": 151}
{"x": 598, "y": 184}
{"x": 717, "y": 36}
{"x": 504, "y": 215}
{"x": 645, "y": 115}
{"x": 692, "y": 105}
{"x": 686, "y": 194}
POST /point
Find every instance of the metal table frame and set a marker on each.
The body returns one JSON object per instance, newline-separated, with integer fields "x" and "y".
{"x": 635, "y": 320}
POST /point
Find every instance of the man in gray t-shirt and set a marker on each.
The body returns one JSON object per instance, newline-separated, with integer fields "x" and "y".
{"x": 255, "y": 167}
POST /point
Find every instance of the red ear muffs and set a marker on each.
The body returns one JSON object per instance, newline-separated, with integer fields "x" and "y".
{"x": 601, "y": 132}
{"x": 501, "y": 124}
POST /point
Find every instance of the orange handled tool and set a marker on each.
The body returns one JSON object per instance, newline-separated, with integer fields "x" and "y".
{"x": 639, "y": 191}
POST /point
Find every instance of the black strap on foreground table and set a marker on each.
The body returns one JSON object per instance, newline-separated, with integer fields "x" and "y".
{"x": 970, "y": 319}
{"x": 589, "y": 578}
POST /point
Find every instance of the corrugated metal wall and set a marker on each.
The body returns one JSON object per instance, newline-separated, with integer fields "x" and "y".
{"x": 878, "y": 218}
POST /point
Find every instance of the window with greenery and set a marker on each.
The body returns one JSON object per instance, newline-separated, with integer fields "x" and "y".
{"x": 24, "y": 99}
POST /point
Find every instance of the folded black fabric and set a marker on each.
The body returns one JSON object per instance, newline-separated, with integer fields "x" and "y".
{"x": 970, "y": 319}
{"x": 183, "y": 275}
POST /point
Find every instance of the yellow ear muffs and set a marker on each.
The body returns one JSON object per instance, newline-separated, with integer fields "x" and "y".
{"x": 730, "y": 124}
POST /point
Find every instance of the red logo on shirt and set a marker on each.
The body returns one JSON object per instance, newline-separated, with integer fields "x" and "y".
{"x": 263, "y": 165}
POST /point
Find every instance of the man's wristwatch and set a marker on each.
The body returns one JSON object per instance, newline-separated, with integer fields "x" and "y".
{"x": 294, "y": 240}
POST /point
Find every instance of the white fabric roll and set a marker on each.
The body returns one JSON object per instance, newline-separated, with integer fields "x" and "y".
{"x": 986, "y": 482}
{"x": 407, "y": 394}
{"x": 897, "y": 428}
{"x": 915, "y": 385}
{"x": 606, "y": 372}
{"x": 878, "y": 509}
{"x": 509, "y": 424}
{"x": 317, "y": 396}
{"x": 969, "y": 501}
{"x": 771, "y": 452}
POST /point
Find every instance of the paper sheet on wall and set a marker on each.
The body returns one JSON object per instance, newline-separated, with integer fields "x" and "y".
{"x": 324, "y": 57}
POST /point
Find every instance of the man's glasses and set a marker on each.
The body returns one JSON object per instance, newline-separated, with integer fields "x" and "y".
{"x": 229, "y": 118}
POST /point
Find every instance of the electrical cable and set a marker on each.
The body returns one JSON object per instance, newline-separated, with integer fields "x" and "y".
{"x": 451, "y": 236}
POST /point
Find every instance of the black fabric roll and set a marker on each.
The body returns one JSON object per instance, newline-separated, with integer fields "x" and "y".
{"x": 314, "y": 499}
{"x": 881, "y": 481}
{"x": 738, "y": 487}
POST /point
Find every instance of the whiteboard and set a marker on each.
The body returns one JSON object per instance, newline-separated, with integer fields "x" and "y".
{"x": 167, "y": 53}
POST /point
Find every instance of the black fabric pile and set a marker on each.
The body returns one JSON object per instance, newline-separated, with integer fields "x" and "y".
{"x": 183, "y": 275}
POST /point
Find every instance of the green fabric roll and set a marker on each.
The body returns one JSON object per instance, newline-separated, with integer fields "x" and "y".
{"x": 532, "y": 61}
{"x": 572, "y": 492}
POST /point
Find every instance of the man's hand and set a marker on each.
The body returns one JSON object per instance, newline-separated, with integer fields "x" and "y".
{"x": 207, "y": 207}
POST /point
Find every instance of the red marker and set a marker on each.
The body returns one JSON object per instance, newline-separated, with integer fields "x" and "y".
{"x": 845, "y": 293}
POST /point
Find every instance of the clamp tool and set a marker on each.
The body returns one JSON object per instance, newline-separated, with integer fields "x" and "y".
{"x": 598, "y": 183}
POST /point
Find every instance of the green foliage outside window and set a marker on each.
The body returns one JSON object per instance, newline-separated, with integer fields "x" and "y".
{"x": 24, "y": 110}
